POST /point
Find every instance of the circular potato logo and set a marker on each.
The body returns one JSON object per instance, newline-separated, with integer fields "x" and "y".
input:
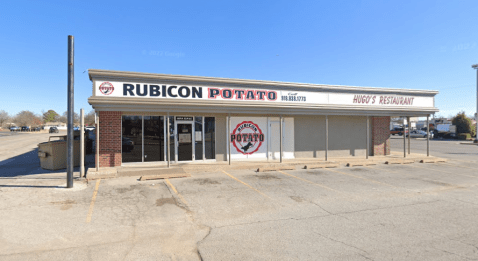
{"x": 107, "y": 88}
{"x": 247, "y": 137}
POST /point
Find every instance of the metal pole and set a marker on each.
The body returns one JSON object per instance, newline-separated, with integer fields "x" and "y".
{"x": 326, "y": 138}
{"x": 168, "y": 140}
{"x": 428, "y": 136}
{"x": 476, "y": 117}
{"x": 97, "y": 120}
{"x": 229, "y": 137}
{"x": 408, "y": 122}
{"x": 70, "y": 156}
{"x": 404, "y": 139}
{"x": 280, "y": 133}
{"x": 82, "y": 143}
{"x": 368, "y": 137}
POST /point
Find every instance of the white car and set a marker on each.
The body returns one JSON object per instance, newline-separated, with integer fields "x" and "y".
{"x": 420, "y": 134}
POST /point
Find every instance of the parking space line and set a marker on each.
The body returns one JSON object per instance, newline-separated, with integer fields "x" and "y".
{"x": 168, "y": 183}
{"x": 453, "y": 173}
{"x": 311, "y": 182}
{"x": 240, "y": 181}
{"x": 93, "y": 199}
{"x": 359, "y": 177}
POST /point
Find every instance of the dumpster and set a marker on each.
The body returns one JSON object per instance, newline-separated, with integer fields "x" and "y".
{"x": 52, "y": 154}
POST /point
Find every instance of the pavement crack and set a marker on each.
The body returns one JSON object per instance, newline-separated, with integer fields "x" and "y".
{"x": 341, "y": 242}
{"x": 452, "y": 253}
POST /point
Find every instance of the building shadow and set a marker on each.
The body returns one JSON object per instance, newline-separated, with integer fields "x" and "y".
{"x": 29, "y": 164}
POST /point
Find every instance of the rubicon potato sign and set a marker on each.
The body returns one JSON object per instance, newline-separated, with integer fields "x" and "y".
{"x": 247, "y": 137}
{"x": 164, "y": 91}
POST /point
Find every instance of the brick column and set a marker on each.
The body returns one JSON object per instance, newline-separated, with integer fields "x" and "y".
{"x": 110, "y": 138}
{"x": 380, "y": 135}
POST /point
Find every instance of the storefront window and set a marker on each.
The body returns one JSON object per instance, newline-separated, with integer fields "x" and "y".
{"x": 132, "y": 139}
{"x": 172, "y": 146}
{"x": 153, "y": 138}
{"x": 198, "y": 136}
{"x": 210, "y": 137}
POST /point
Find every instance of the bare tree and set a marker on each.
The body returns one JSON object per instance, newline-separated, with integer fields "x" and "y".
{"x": 4, "y": 117}
{"x": 28, "y": 118}
{"x": 90, "y": 118}
{"x": 64, "y": 118}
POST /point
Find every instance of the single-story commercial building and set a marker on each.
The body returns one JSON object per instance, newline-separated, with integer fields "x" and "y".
{"x": 218, "y": 119}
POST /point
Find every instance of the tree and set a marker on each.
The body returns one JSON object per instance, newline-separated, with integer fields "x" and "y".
{"x": 50, "y": 116}
{"x": 463, "y": 124}
{"x": 90, "y": 118}
{"x": 64, "y": 118}
{"x": 4, "y": 117}
{"x": 27, "y": 118}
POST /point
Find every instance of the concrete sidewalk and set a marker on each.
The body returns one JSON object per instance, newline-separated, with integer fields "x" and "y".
{"x": 162, "y": 169}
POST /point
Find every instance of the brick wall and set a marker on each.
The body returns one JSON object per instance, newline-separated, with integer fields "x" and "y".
{"x": 110, "y": 138}
{"x": 381, "y": 135}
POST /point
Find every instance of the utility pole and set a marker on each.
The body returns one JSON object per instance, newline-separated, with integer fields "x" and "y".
{"x": 70, "y": 156}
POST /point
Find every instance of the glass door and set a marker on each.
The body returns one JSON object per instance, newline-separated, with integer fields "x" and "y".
{"x": 184, "y": 141}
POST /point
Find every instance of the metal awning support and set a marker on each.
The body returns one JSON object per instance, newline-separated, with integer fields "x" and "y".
{"x": 367, "y": 151}
{"x": 229, "y": 137}
{"x": 169, "y": 142}
{"x": 409, "y": 136}
{"x": 428, "y": 136}
{"x": 82, "y": 143}
{"x": 97, "y": 120}
{"x": 404, "y": 139}
{"x": 326, "y": 138}
{"x": 280, "y": 133}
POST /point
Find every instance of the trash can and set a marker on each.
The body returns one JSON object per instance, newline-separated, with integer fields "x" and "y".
{"x": 52, "y": 154}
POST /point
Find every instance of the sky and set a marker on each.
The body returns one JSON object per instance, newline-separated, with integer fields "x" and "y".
{"x": 427, "y": 45}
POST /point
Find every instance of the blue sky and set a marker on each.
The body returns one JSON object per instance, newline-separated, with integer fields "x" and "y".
{"x": 401, "y": 44}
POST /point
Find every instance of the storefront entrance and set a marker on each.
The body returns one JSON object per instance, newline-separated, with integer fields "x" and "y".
{"x": 144, "y": 138}
{"x": 185, "y": 141}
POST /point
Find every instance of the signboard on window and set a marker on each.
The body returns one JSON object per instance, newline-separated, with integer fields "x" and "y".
{"x": 184, "y": 138}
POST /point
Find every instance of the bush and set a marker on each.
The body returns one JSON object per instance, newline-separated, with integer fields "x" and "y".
{"x": 464, "y": 136}
{"x": 463, "y": 124}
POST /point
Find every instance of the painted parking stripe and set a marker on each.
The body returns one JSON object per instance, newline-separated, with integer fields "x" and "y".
{"x": 168, "y": 183}
{"x": 242, "y": 182}
{"x": 93, "y": 199}
{"x": 311, "y": 182}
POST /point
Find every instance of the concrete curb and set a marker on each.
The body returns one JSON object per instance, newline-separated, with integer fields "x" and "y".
{"x": 321, "y": 166}
{"x": 275, "y": 168}
{"x": 103, "y": 173}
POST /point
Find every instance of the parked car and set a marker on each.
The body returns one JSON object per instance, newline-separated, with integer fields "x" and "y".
{"x": 14, "y": 128}
{"x": 419, "y": 134}
{"x": 25, "y": 128}
{"x": 397, "y": 130}
{"x": 54, "y": 130}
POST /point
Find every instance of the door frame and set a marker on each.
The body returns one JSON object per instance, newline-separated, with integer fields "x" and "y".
{"x": 176, "y": 137}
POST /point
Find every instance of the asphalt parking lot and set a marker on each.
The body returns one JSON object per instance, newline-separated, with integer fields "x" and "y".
{"x": 382, "y": 212}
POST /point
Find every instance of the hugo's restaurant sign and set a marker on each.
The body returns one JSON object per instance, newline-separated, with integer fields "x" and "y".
{"x": 148, "y": 90}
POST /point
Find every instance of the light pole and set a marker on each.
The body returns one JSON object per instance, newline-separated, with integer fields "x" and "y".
{"x": 475, "y": 66}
